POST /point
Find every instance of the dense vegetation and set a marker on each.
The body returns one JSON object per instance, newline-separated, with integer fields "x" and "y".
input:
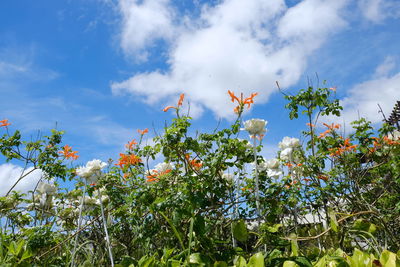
{"x": 325, "y": 200}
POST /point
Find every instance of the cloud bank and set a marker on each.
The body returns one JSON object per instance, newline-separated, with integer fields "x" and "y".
{"x": 362, "y": 99}
{"x": 377, "y": 11}
{"x": 243, "y": 46}
{"x": 10, "y": 173}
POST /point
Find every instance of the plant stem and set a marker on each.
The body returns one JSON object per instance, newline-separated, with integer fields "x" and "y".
{"x": 79, "y": 224}
{"x": 105, "y": 228}
{"x": 257, "y": 187}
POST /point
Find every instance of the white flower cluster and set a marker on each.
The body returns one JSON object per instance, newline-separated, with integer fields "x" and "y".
{"x": 272, "y": 167}
{"x": 43, "y": 199}
{"x": 288, "y": 145}
{"x": 45, "y": 188}
{"x": 255, "y": 126}
{"x": 228, "y": 177}
{"x": 394, "y": 136}
{"x": 92, "y": 171}
{"x": 91, "y": 202}
{"x": 161, "y": 168}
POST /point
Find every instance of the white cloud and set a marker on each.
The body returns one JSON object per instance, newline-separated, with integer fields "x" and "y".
{"x": 363, "y": 99}
{"x": 143, "y": 23}
{"x": 378, "y": 10}
{"x": 7, "y": 68}
{"x": 10, "y": 173}
{"x": 243, "y": 46}
{"x": 385, "y": 68}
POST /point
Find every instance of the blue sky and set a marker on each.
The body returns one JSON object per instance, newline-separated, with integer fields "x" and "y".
{"x": 102, "y": 69}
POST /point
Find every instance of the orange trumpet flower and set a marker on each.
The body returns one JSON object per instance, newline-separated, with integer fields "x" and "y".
{"x": 180, "y": 102}
{"x": 242, "y": 101}
{"x": 4, "y": 123}
{"x": 68, "y": 153}
{"x": 143, "y": 132}
{"x": 130, "y": 144}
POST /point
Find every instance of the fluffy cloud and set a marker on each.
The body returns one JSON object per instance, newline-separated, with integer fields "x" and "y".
{"x": 10, "y": 173}
{"x": 378, "y": 10}
{"x": 143, "y": 23}
{"x": 362, "y": 99}
{"x": 244, "y": 46}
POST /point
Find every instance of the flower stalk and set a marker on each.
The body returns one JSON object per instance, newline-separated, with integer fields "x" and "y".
{"x": 79, "y": 224}
{"x": 105, "y": 228}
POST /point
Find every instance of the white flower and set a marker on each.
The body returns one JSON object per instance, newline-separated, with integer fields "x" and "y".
{"x": 104, "y": 199}
{"x": 395, "y": 135}
{"x": 255, "y": 126}
{"x": 89, "y": 201}
{"x": 42, "y": 201}
{"x": 96, "y": 165}
{"x": 288, "y": 142}
{"x": 45, "y": 188}
{"x": 92, "y": 170}
{"x": 228, "y": 176}
{"x": 286, "y": 154}
{"x": 274, "y": 173}
{"x": 252, "y": 225}
{"x": 163, "y": 167}
{"x": 104, "y": 196}
{"x": 272, "y": 164}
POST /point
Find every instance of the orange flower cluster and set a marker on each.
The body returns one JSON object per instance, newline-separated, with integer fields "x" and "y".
{"x": 195, "y": 163}
{"x": 322, "y": 177}
{"x": 143, "y": 132}
{"x": 4, "y": 123}
{"x": 249, "y": 189}
{"x": 180, "y": 102}
{"x": 155, "y": 177}
{"x": 390, "y": 141}
{"x": 291, "y": 184}
{"x": 377, "y": 144}
{"x": 310, "y": 125}
{"x": 130, "y": 144}
{"x": 68, "y": 153}
{"x": 127, "y": 159}
{"x": 242, "y": 101}
{"x": 330, "y": 129}
{"x": 347, "y": 146}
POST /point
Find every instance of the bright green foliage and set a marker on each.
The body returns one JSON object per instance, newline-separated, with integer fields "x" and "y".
{"x": 334, "y": 202}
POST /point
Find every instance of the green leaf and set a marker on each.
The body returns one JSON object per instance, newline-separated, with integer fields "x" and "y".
{"x": 12, "y": 248}
{"x": 333, "y": 222}
{"x": 27, "y": 254}
{"x": 257, "y": 260}
{"x": 239, "y": 262}
{"x": 175, "y": 263}
{"x": 220, "y": 264}
{"x": 389, "y": 259}
{"x": 146, "y": 261}
{"x": 196, "y": 258}
{"x": 289, "y": 264}
{"x": 364, "y": 225}
{"x": 240, "y": 231}
{"x": 302, "y": 262}
{"x": 272, "y": 229}
{"x": 294, "y": 245}
{"x": 174, "y": 230}
{"x": 361, "y": 259}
